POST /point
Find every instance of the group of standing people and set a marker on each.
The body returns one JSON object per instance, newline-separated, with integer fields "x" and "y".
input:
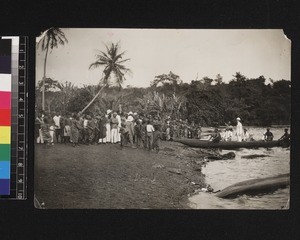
{"x": 133, "y": 129}
{"x": 111, "y": 127}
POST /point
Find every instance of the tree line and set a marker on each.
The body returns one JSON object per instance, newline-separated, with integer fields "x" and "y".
{"x": 208, "y": 102}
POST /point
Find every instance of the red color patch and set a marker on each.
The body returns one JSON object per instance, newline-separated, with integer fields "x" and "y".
{"x": 5, "y": 117}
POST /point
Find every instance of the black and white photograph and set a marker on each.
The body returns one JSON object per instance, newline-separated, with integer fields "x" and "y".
{"x": 162, "y": 119}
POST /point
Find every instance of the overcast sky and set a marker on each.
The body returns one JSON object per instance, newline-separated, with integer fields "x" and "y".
{"x": 187, "y": 53}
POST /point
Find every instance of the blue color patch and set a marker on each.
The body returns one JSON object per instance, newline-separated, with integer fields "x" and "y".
{"x": 5, "y": 170}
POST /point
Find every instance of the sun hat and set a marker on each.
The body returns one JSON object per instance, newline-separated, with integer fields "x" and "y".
{"x": 108, "y": 111}
{"x": 130, "y": 113}
{"x": 238, "y": 119}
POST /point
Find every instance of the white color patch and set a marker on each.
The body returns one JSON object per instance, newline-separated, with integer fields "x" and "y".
{"x": 5, "y": 82}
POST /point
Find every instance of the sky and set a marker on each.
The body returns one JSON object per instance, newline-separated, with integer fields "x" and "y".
{"x": 191, "y": 54}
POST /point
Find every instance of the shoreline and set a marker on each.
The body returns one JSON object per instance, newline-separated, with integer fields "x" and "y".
{"x": 110, "y": 177}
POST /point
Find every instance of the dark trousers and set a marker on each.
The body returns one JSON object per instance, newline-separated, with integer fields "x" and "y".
{"x": 58, "y": 133}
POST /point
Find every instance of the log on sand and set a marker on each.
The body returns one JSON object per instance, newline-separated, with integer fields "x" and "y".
{"x": 256, "y": 186}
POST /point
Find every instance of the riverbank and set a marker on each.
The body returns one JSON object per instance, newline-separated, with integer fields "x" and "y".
{"x": 109, "y": 177}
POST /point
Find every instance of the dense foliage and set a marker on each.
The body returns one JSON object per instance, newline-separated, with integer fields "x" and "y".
{"x": 209, "y": 102}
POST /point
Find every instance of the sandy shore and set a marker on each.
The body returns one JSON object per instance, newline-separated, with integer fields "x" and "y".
{"x": 109, "y": 177}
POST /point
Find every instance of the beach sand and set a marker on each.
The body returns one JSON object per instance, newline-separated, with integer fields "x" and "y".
{"x": 110, "y": 177}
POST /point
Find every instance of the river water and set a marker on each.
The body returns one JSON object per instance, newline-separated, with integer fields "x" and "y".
{"x": 222, "y": 173}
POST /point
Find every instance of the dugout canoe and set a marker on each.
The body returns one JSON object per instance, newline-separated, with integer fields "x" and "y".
{"x": 255, "y": 186}
{"x": 196, "y": 143}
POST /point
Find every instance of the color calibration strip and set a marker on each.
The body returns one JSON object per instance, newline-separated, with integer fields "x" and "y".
{"x": 5, "y": 114}
{"x": 12, "y": 115}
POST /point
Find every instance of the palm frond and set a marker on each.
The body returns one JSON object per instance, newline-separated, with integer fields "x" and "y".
{"x": 122, "y": 61}
{"x": 96, "y": 64}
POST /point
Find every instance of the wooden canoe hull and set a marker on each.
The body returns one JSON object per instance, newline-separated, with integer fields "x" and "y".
{"x": 255, "y": 186}
{"x": 196, "y": 143}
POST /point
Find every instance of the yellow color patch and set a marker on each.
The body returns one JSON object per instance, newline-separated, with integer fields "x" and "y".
{"x": 4, "y": 135}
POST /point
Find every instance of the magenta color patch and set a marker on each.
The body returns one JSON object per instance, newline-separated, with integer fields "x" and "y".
{"x": 5, "y": 101}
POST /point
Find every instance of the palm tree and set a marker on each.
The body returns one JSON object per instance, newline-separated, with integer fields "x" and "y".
{"x": 112, "y": 63}
{"x": 52, "y": 38}
{"x": 167, "y": 78}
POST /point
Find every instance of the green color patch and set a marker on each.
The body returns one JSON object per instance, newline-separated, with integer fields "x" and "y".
{"x": 5, "y": 152}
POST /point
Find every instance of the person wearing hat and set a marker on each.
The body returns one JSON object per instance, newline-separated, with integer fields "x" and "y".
{"x": 130, "y": 117}
{"x": 108, "y": 111}
{"x": 239, "y": 130}
{"x": 114, "y": 123}
{"x": 268, "y": 135}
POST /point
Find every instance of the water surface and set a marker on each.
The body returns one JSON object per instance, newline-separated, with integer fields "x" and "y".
{"x": 220, "y": 174}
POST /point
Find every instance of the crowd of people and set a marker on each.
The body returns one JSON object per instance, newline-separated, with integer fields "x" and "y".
{"x": 130, "y": 129}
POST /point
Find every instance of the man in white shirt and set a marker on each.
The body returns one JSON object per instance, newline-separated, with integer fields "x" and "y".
{"x": 150, "y": 130}
{"x": 57, "y": 127}
{"x": 239, "y": 130}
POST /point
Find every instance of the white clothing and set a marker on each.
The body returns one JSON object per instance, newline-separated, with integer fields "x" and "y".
{"x": 40, "y": 138}
{"x": 114, "y": 135}
{"x": 119, "y": 120}
{"x": 119, "y": 126}
{"x": 107, "y": 132}
{"x": 51, "y": 128}
{"x": 150, "y": 128}
{"x": 56, "y": 120}
{"x": 130, "y": 118}
{"x": 85, "y": 123}
{"x": 227, "y": 135}
{"x": 239, "y": 131}
{"x": 246, "y": 136}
